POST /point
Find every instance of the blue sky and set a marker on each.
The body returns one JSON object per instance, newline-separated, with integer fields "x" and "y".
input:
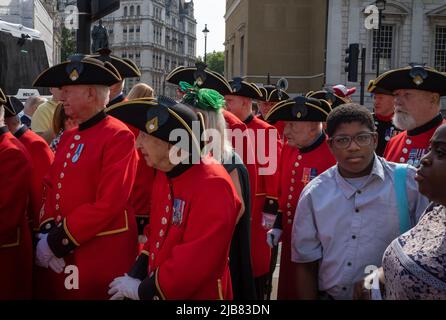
{"x": 210, "y": 12}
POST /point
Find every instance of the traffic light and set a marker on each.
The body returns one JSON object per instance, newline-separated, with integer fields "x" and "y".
{"x": 352, "y": 62}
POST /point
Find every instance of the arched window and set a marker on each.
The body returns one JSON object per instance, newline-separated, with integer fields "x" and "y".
{"x": 138, "y": 10}
{"x": 125, "y": 11}
{"x": 132, "y": 10}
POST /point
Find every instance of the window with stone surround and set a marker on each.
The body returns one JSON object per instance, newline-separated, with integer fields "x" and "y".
{"x": 387, "y": 48}
{"x": 440, "y": 48}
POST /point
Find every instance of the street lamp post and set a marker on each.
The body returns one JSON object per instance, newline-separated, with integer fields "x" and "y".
{"x": 381, "y": 5}
{"x": 205, "y": 31}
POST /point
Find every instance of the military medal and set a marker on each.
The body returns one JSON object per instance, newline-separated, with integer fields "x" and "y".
{"x": 178, "y": 209}
{"x": 78, "y": 152}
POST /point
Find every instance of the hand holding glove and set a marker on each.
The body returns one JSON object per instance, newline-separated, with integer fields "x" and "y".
{"x": 273, "y": 237}
{"x": 124, "y": 287}
{"x": 45, "y": 257}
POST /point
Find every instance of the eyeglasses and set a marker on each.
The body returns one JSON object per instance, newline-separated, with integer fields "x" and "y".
{"x": 344, "y": 142}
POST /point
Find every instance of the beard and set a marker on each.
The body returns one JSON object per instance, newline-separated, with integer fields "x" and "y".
{"x": 403, "y": 120}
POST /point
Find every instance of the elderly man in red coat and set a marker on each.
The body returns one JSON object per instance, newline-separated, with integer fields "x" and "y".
{"x": 15, "y": 235}
{"x": 416, "y": 91}
{"x": 85, "y": 226}
{"x": 305, "y": 155}
{"x": 194, "y": 209}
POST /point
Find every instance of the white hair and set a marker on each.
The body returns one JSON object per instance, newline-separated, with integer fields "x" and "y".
{"x": 216, "y": 121}
{"x": 102, "y": 94}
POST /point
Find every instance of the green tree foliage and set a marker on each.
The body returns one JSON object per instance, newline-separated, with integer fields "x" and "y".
{"x": 68, "y": 44}
{"x": 215, "y": 61}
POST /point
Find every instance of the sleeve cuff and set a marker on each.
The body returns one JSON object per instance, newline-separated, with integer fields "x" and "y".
{"x": 278, "y": 221}
{"x": 60, "y": 241}
{"x": 148, "y": 289}
{"x": 141, "y": 222}
{"x": 271, "y": 205}
{"x": 139, "y": 268}
{"x": 47, "y": 225}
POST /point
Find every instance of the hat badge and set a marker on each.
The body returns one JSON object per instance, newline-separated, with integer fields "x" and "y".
{"x": 152, "y": 125}
{"x": 418, "y": 80}
{"x": 74, "y": 75}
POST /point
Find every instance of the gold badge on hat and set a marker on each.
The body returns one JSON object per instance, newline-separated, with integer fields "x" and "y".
{"x": 299, "y": 115}
{"x": 74, "y": 75}
{"x": 152, "y": 125}
{"x": 418, "y": 80}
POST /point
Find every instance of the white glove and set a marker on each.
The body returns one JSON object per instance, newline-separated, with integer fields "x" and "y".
{"x": 124, "y": 287}
{"x": 45, "y": 257}
{"x": 273, "y": 237}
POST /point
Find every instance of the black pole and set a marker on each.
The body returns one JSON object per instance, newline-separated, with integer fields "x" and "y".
{"x": 205, "y": 43}
{"x": 83, "y": 42}
{"x": 378, "y": 52}
{"x": 363, "y": 55}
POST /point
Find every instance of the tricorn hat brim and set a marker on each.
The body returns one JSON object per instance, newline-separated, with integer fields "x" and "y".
{"x": 299, "y": 109}
{"x": 80, "y": 71}
{"x": 245, "y": 89}
{"x": 413, "y": 77}
{"x": 273, "y": 94}
{"x": 2, "y": 96}
{"x": 373, "y": 88}
{"x": 333, "y": 99}
{"x": 158, "y": 120}
{"x": 213, "y": 80}
{"x": 126, "y": 67}
{"x": 13, "y": 106}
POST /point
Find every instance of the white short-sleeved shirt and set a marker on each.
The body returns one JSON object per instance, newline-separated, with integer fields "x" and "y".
{"x": 348, "y": 229}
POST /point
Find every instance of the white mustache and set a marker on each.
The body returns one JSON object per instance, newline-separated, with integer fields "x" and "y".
{"x": 398, "y": 109}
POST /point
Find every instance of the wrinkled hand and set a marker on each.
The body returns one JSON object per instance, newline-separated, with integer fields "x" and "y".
{"x": 268, "y": 220}
{"x": 273, "y": 237}
{"x": 124, "y": 287}
{"x": 45, "y": 257}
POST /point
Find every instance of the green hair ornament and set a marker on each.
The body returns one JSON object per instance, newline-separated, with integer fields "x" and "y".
{"x": 202, "y": 98}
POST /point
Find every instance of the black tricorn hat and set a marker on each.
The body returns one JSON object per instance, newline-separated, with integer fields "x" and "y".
{"x": 415, "y": 76}
{"x": 273, "y": 94}
{"x": 299, "y": 108}
{"x": 200, "y": 75}
{"x": 333, "y": 99}
{"x": 13, "y": 106}
{"x": 159, "y": 117}
{"x": 126, "y": 67}
{"x": 78, "y": 70}
{"x": 373, "y": 88}
{"x": 2, "y": 96}
{"x": 245, "y": 89}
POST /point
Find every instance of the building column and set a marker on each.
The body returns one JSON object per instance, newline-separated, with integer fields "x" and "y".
{"x": 334, "y": 42}
{"x": 416, "y": 41}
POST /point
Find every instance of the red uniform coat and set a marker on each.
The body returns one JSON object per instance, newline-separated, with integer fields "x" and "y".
{"x": 42, "y": 158}
{"x": 193, "y": 217}
{"x": 298, "y": 168}
{"x": 15, "y": 236}
{"x": 266, "y": 191}
{"x": 245, "y": 151}
{"x": 410, "y": 146}
{"x": 141, "y": 194}
{"x": 87, "y": 191}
